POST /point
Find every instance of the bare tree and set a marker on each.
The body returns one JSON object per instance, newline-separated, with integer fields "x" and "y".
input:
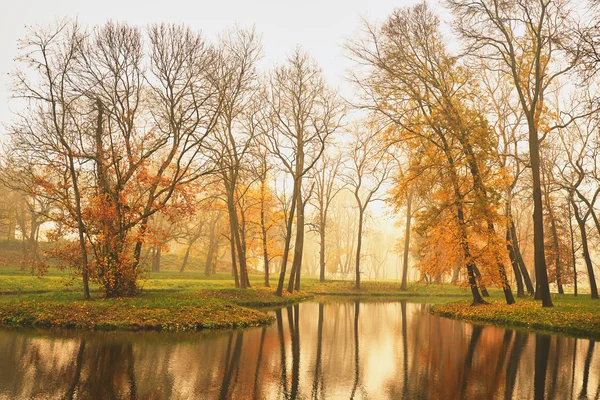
{"x": 303, "y": 113}
{"x": 368, "y": 168}
{"x": 233, "y": 141}
{"x": 327, "y": 186}
{"x": 46, "y": 135}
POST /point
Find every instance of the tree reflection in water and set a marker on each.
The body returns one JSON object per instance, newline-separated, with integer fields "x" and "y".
{"x": 337, "y": 349}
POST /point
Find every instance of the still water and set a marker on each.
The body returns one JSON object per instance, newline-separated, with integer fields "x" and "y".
{"x": 331, "y": 350}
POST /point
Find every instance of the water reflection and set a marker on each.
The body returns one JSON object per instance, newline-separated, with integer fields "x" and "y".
{"x": 340, "y": 349}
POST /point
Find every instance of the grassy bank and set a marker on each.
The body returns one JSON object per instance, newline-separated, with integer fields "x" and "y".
{"x": 578, "y": 316}
{"x": 173, "y": 301}
{"x": 152, "y": 310}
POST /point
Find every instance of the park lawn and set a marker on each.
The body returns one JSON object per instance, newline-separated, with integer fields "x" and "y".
{"x": 173, "y": 301}
{"x": 572, "y": 315}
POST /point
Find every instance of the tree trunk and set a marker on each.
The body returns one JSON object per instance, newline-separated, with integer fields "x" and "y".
{"x": 586, "y": 252}
{"x": 322, "y": 265}
{"x": 358, "y": 246}
{"x": 541, "y": 274}
{"x": 156, "y": 259}
{"x": 557, "y": 257}
{"x": 208, "y": 266}
{"x": 406, "y": 242}
{"x": 472, "y": 270}
{"x": 263, "y": 230}
{"x": 522, "y": 267}
{"x": 185, "y": 257}
{"x": 573, "y": 260}
{"x": 515, "y": 265}
{"x": 234, "y": 269}
{"x": 288, "y": 238}
{"x": 294, "y": 282}
{"x": 554, "y": 239}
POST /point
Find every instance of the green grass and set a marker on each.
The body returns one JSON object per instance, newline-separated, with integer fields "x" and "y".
{"x": 572, "y": 315}
{"x": 172, "y": 301}
{"x": 176, "y": 301}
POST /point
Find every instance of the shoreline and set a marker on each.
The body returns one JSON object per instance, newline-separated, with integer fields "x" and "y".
{"x": 178, "y": 304}
{"x": 572, "y": 316}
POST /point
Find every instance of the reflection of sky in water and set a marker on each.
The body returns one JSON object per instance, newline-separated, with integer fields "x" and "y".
{"x": 402, "y": 352}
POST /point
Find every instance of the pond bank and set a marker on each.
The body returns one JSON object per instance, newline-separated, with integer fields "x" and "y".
{"x": 192, "y": 302}
{"x": 576, "y": 316}
{"x": 183, "y": 311}
{"x": 173, "y": 303}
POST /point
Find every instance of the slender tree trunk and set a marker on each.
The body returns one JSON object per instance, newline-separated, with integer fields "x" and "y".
{"x": 358, "y": 247}
{"x": 554, "y": 239}
{"x": 234, "y": 269}
{"x": 557, "y": 257}
{"x": 573, "y": 260}
{"x": 288, "y": 238}
{"x": 403, "y": 286}
{"x": 241, "y": 245}
{"x": 80, "y": 229}
{"x": 515, "y": 265}
{"x": 263, "y": 230}
{"x": 472, "y": 270}
{"x": 185, "y": 257}
{"x": 482, "y": 193}
{"x": 322, "y": 265}
{"x": 156, "y": 259}
{"x": 586, "y": 252}
{"x": 209, "y": 257}
{"x": 470, "y": 265}
{"x": 294, "y": 282}
{"x": 522, "y": 267}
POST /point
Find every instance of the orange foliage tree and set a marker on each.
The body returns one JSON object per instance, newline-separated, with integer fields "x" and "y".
{"x": 430, "y": 103}
{"x": 113, "y": 135}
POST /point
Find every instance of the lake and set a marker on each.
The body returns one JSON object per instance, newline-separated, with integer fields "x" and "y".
{"x": 331, "y": 349}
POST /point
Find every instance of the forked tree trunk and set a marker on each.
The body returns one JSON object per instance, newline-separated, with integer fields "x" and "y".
{"x": 288, "y": 238}
{"x": 294, "y": 282}
{"x": 522, "y": 267}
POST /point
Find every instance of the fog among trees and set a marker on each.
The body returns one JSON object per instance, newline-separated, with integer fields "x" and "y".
{"x": 466, "y": 154}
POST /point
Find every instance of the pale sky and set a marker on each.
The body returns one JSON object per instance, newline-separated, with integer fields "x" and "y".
{"x": 320, "y": 26}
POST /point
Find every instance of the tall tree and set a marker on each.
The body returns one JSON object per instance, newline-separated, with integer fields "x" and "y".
{"x": 234, "y": 140}
{"x": 431, "y": 101}
{"x": 326, "y": 188}
{"x": 368, "y": 168}
{"x": 303, "y": 112}
{"x": 528, "y": 39}
{"x": 109, "y": 159}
